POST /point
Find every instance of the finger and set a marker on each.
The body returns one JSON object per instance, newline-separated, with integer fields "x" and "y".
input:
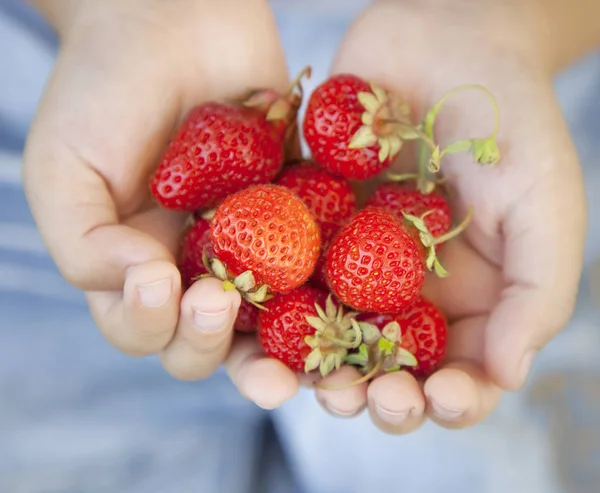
{"x": 265, "y": 381}
{"x": 140, "y": 319}
{"x": 204, "y": 332}
{"x": 99, "y": 129}
{"x": 347, "y": 402}
{"x": 461, "y": 394}
{"x": 542, "y": 266}
{"x": 396, "y": 403}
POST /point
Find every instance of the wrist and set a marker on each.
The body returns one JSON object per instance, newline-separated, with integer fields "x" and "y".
{"x": 549, "y": 34}
{"x": 546, "y": 35}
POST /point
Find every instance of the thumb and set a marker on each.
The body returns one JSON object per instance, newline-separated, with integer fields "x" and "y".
{"x": 87, "y": 158}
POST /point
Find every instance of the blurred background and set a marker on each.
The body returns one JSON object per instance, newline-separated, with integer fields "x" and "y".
{"x": 78, "y": 417}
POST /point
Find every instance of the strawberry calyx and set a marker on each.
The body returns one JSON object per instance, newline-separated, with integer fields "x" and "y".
{"x": 382, "y": 351}
{"x": 381, "y": 123}
{"x": 280, "y": 107}
{"x": 208, "y": 214}
{"x": 336, "y": 333}
{"x": 245, "y": 283}
{"x": 430, "y": 242}
{"x": 386, "y": 347}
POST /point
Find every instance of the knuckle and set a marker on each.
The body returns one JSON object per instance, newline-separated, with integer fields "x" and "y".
{"x": 133, "y": 340}
{"x": 73, "y": 271}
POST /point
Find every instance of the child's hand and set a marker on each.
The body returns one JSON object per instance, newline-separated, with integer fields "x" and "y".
{"x": 126, "y": 73}
{"x": 514, "y": 274}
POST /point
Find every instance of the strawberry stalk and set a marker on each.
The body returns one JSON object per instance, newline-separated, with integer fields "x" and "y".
{"x": 430, "y": 242}
{"x": 484, "y": 150}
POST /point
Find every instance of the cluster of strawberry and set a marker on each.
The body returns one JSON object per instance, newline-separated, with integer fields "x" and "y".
{"x": 325, "y": 281}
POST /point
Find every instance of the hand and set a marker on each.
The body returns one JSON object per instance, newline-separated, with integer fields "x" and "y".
{"x": 127, "y": 72}
{"x": 514, "y": 273}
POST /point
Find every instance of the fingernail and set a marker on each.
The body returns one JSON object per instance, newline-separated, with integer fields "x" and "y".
{"x": 345, "y": 413}
{"x": 155, "y": 294}
{"x": 211, "y": 321}
{"x": 526, "y": 364}
{"x": 392, "y": 417}
{"x": 446, "y": 413}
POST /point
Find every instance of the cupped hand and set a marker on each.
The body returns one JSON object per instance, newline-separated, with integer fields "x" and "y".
{"x": 126, "y": 74}
{"x": 514, "y": 273}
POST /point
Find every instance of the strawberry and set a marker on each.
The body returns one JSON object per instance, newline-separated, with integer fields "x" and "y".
{"x": 296, "y": 330}
{"x": 221, "y": 148}
{"x": 265, "y": 239}
{"x": 196, "y": 244}
{"x": 247, "y": 317}
{"x": 376, "y": 263}
{"x": 330, "y": 198}
{"x": 404, "y": 197}
{"x": 348, "y": 128}
{"x": 414, "y": 338}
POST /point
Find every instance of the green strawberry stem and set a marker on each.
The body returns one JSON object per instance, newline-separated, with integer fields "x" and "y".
{"x": 360, "y": 380}
{"x": 483, "y": 150}
{"x": 453, "y": 233}
{"x": 430, "y": 242}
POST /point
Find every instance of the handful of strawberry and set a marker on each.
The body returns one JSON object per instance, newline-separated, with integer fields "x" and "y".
{"x": 325, "y": 282}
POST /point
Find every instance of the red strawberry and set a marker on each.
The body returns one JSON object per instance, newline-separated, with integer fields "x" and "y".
{"x": 329, "y": 197}
{"x": 266, "y": 238}
{"x": 220, "y": 149}
{"x": 298, "y": 331}
{"x": 196, "y": 241}
{"x": 348, "y": 127}
{"x": 247, "y": 318}
{"x": 376, "y": 263}
{"x": 404, "y": 197}
{"x": 422, "y": 333}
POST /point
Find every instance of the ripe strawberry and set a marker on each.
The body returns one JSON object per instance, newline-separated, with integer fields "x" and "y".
{"x": 422, "y": 334}
{"x": 247, "y": 318}
{"x": 266, "y": 238}
{"x": 405, "y": 197}
{"x": 218, "y": 150}
{"x": 195, "y": 243}
{"x": 348, "y": 126}
{"x": 221, "y": 148}
{"x": 329, "y": 197}
{"x": 376, "y": 263}
{"x": 296, "y": 330}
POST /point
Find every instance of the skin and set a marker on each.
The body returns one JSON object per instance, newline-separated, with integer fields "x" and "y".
{"x": 109, "y": 108}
